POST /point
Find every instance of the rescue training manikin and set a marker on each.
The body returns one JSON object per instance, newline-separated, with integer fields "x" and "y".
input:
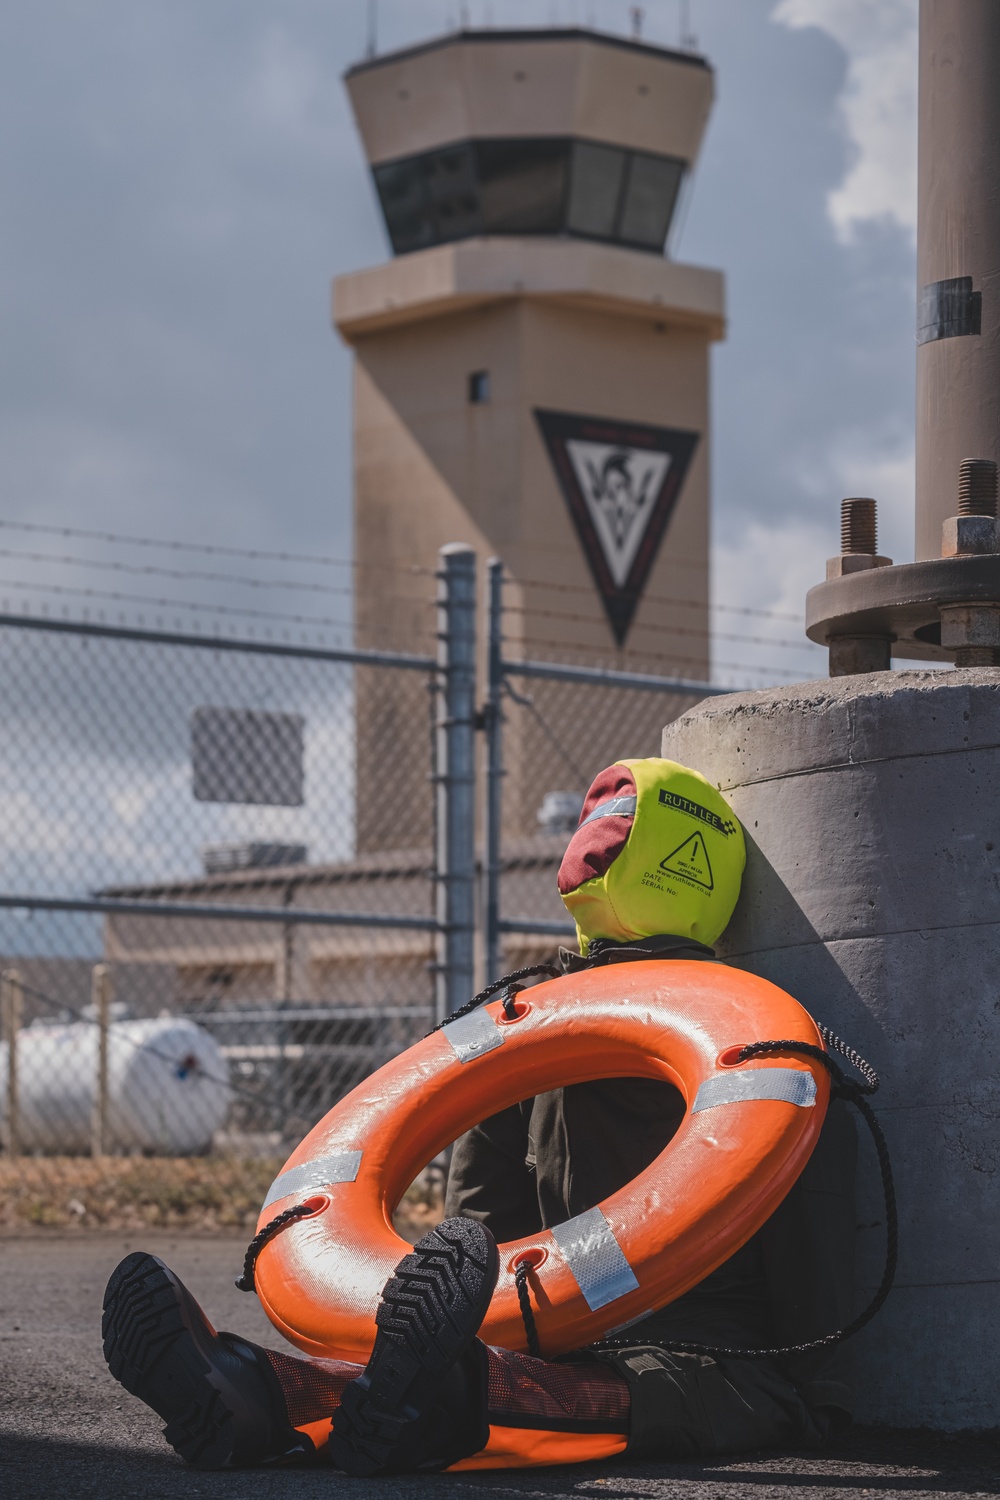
{"x": 456, "y": 1334}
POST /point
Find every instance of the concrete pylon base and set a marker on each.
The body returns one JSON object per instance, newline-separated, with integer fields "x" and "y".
{"x": 872, "y": 893}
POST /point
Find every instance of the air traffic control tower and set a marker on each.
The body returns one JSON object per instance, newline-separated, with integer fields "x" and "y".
{"x": 531, "y": 370}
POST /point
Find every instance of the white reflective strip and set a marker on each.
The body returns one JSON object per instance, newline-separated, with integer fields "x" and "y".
{"x": 618, "y": 807}
{"x": 787, "y": 1085}
{"x": 595, "y": 1258}
{"x": 473, "y": 1035}
{"x": 310, "y": 1176}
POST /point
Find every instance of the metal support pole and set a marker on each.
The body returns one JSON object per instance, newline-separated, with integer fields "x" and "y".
{"x": 100, "y": 994}
{"x": 455, "y": 749}
{"x": 958, "y": 254}
{"x": 494, "y": 768}
{"x": 12, "y": 1007}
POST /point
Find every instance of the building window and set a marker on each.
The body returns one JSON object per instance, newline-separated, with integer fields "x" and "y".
{"x": 595, "y": 194}
{"x": 529, "y": 185}
{"x": 479, "y": 387}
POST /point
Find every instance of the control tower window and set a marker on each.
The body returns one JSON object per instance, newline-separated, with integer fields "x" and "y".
{"x": 522, "y": 185}
{"x": 653, "y": 182}
{"x": 547, "y": 185}
{"x": 595, "y": 194}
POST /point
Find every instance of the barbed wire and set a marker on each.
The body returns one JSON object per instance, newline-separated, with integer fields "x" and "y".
{"x": 205, "y": 548}
{"x": 184, "y": 574}
{"x": 665, "y": 660}
{"x": 667, "y": 599}
{"x": 668, "y": 630}
{"x": 111, "y": 596}
{"x": 588, "y": 589}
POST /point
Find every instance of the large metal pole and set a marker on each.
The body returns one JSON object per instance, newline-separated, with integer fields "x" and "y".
{"x": 494, "y": 768}
{"x": 958, "y": 254}
{"x": 455, "y": 751}
{"x": 12, "y": 1010}
{"x": 100, "y": 994}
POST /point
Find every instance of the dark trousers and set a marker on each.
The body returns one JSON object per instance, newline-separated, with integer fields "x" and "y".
{"x": 553, "y": 1157}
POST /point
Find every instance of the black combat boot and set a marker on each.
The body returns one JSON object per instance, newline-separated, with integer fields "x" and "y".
{"x": 217, "y": 1393}
{"x": 421, "y": 1403}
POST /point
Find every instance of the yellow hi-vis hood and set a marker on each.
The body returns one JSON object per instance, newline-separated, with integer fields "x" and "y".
{"x": 657, "y": 850}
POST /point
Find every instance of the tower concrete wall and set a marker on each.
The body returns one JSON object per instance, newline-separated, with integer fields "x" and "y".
{"x": 872, "y": 894}
{"x": 431, "y": 467}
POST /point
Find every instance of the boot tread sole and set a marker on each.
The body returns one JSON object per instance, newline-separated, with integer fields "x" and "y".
{"x": 430, "y": 1312}
{"x": 152, "y": 1351}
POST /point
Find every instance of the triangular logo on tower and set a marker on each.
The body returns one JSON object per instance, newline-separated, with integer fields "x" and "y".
{"x": 690, "y": 861}
{"x": 620, "y": 481}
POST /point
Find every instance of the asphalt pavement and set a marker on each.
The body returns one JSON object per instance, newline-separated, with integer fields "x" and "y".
{"x": 68, "y": 1430}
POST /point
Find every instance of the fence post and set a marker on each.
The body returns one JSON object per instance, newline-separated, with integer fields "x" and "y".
{"x": 494, "y": 768}
{"x": 12, "y": 1010}
{"x": 100, "y": 994}
{"x": 454, "y": 776}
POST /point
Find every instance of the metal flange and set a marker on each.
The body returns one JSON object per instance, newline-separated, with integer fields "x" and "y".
{"x": 901, "y": 605}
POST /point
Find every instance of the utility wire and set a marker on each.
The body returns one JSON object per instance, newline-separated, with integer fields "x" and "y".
{"x": 184, "y": 574}
{"x": 205, "y": 548}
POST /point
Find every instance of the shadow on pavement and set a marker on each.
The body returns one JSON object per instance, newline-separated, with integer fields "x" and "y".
{"x": 867, "y": 1462}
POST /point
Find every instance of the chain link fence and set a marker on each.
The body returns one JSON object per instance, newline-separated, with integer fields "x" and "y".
{"x": 236, "y": 877}
{"x": 550, "y": 728}
{"x": 556, "y": 737}
{"x": 195, "y": 955}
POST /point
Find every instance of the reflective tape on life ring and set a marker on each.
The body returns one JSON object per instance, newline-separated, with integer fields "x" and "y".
{"x": 311, "y": 1176}
{"x": 472, "y": 1035}
{"x": 746, "y": 1134}
{"x": 595, "y": 1257}
{"x": 790, "y": 1085}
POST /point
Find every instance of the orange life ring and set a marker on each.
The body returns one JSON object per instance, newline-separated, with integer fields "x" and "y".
{"x": 747, "y": 1133}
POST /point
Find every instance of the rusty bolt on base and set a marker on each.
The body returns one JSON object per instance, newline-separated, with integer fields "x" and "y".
{"x": 972, "y": 631}
{"x": 859, "y": 526}
{"x": 858, "y": 551}
{"x": 977, "y": 487}
{"x": 858, "y": 538}
{"x": 973, "y": 531}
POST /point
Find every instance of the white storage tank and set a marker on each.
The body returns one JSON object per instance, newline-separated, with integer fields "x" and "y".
{"x": 168, "y": 1087}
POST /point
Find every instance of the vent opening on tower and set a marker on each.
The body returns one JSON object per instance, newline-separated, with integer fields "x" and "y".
{"x": 479, "y": 387}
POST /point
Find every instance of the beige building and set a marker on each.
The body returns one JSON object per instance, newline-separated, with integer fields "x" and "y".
{"x": 531, "y": 371}
{"x": 203, "y": 964}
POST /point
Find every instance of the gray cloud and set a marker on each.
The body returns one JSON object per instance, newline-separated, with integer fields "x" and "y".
{"x": 182, "y": 180}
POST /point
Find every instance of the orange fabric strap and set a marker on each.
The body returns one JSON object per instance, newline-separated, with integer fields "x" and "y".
{"x": 516, "y": 1447}
{"x": 531, "y": 1448}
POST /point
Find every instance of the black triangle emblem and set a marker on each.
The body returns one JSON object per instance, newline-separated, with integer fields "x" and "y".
{"x": 620, "y": 481}
{"x": 690, "y": 861}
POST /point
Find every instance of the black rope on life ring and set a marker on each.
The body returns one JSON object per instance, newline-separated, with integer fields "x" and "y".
{"x": 854, "y": 1092}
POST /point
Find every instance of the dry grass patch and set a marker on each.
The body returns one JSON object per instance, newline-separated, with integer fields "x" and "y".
{"x": 206, "y": 1194}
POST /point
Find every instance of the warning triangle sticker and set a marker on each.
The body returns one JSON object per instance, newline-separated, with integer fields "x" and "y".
{"x": 690, "y": 861}
{"x": 620, "y": 481}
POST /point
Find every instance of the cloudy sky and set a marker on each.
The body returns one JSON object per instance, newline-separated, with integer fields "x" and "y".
{"x": 181, "y": 179}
